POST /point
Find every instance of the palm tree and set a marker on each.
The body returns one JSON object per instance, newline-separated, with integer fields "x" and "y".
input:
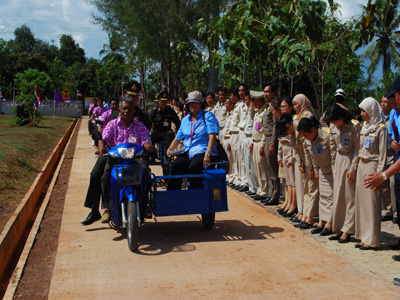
{"x": 384, "y": 46}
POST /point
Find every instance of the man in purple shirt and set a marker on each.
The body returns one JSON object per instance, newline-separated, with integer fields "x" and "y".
{"x": 92, "y": 106}
{"x": 121, "y": 130}
{"x": 103, "y": 119}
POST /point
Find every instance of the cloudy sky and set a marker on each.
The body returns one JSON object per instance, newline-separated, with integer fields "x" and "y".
{"x": 48, "y": 19}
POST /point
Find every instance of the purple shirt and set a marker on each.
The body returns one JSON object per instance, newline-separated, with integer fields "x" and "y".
{"x": 115, "y": 133}
{"x": 98, "y": 111}
{"x": 105, "y": 117}
{"x": 91, "y": 107}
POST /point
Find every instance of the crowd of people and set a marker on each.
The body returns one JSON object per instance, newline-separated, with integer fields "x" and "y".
{"x": 272, "y": 142}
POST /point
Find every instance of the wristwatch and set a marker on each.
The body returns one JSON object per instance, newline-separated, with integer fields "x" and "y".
{"x": 208, "y": 153}
{"x": 384, "y": 176}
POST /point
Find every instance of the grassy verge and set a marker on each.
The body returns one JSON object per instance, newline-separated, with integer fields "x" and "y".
{"x": 23, "y": 151}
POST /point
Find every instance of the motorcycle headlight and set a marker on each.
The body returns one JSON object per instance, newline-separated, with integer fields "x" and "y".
{"x": 126, "y": 153}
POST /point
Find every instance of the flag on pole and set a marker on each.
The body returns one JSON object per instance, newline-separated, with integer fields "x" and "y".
{"x": 78, "y": 93}
{"x": 1, "y": 93}
{"x": 37, "y": 99}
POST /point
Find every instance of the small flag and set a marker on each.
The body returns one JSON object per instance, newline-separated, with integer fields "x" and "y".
{"x": 37, "y": 99}
{"x": 1, "y": 93}
{"x": 57, "y": 97}
{"x": 78, "y": 93}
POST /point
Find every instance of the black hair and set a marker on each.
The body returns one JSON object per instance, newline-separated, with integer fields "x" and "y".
{"x": 180, "y": 105}
{"x": 114, "y": 99}
{"x": 176, "y": 99}
{"x": 247, "y": 94}
{"x": 276, "y": 103}
{"x": 307, "y": 123}
{"x": 235, "y": 91}
{"x": 222, "y": 89}
{"x": 339, "y": 99}
{"x": 184, "y": 96}
{"x": 335, "y": 112}
{"x": 211, "y": 94}
{"x": 244, "y": 85}
{"x": 273, "y": 86}
{"x": 289, "y": 101}
{"x": 281, "y": 124}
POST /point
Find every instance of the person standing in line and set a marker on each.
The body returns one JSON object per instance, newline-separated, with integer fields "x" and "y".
{"x": 318, "y": 138}
{"x": 340, "y": 97}
{"x": 210, "y": 101}
{"x": 230, "y": 177}
{"x": 220, "y": 110}
{"x": 258, "y": 144}
{"x": 271, "y": 146}
{"x": 243, "y": 89}
{"x": 372, "y": 158}
{"x": 234, "y": 137}
{"x": 345, "y": 145}
{"x": 306, "y": 186}
{"x": 388, "y": 195}
{"x": 286, "y": 136}
{"x": 248, "y": 155}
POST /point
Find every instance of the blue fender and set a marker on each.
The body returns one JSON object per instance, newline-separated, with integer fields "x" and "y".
{"x": 128, "y": 192}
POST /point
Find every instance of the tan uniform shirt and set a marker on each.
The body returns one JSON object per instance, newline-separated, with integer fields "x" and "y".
{"x": 257, "y": 132}
{"x": 243, "y": 115}
{"x": 301, "y": 151}
{"x": 248, "y": 127}
{"x": 220, "y": 113}
{"x": 285, "y": 150}
{"x": 234, "y": 126}
{"x": 225, "y": 131}
{"x": 346, "y": 140}
{"x": 373, "y": 146}
{"x": 269, "y": 122}
{"x": 320, "y": 151}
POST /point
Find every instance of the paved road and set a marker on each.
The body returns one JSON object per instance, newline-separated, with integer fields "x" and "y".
{"x": 250, "y": 254}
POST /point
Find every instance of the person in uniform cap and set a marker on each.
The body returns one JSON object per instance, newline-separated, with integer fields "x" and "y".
{"x": 132, "y": 89}
{"x": 161, "y": 119}
{"x": 340, "y": 96}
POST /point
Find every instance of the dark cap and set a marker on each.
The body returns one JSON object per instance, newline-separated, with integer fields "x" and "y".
{"x": 132, "y": 88}
{"x": 395, "y": 87}
{"x": 163, "y": 96}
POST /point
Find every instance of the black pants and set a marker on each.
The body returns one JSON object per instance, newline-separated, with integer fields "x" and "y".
{"x": 397, "y": 192}
{"x": 106, "y": 179}
{"x": 182, "y": 165}
{"x": 94, "y": 191}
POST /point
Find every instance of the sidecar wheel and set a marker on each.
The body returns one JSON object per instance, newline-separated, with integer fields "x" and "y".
{"x": 132, "y": 230}
{"x": 208, "y": 220}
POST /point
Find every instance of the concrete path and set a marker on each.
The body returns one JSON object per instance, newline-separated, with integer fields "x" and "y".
{"x": 250, "y": 254}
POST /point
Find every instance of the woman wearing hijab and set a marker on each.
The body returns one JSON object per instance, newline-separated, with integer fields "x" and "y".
{"x": 307, "y": 189}
{"x": 372, "y": 157}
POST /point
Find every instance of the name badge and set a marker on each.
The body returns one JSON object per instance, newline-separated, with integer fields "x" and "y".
{"x": 257, "y": 126}
{"x": 346, "y": 141}
{"x": 132, "y": 140}
{"x": 367, "y": 143}
{"x": 319, "y": 150}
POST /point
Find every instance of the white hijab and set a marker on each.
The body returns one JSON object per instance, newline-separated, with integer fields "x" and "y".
{"x": 374, "y": 111}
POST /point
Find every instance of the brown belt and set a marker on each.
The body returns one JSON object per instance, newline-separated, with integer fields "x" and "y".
{"x": 254, "y": 141}
{"x": 364, "y": 160}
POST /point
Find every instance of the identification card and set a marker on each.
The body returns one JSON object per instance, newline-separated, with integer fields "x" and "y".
{"x": 257, "y": 126}
{"x": 346, "y": 141}
{"x": 367, "y": 143}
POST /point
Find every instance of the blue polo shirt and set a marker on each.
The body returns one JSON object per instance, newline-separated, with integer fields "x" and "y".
{"x": 394, "y": 115}
{"x": 195, "y": 132}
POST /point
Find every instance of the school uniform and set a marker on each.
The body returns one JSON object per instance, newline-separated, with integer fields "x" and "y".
{"x": 235, "y": 142}
{"x": 248, "y": 157}
{"x": 230, "y": 177}
{"x": 344, "y": 145}
{"x": 286, "y": 156}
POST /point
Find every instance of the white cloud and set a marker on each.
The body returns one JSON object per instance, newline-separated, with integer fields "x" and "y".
{"x": 349, "y": 9}
{"x": 50, "y": 19}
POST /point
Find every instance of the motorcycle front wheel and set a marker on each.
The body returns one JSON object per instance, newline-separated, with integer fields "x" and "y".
{"x": 132, "y": 230}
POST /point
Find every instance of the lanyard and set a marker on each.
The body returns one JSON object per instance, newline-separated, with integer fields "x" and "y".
{"x": 192, "y": 128}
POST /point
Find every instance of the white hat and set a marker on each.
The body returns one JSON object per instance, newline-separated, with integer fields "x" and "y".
{"x": 195, "y": 96}
{"x": 256, "y": 94}
{"x": 340, "y": 92}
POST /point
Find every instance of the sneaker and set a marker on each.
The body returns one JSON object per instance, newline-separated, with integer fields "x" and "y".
{"x": 106, "y": 217}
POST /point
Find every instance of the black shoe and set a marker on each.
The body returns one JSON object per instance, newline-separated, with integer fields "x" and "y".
{"x": 395, "y": 246}
{"x": 259, "y": 198}
{"x": 290, "y": 214}
{"x": 346, "y": 240}
{"x": 325, "y": 231}
{"x": 306, "y": 225}
{"x": 282, "y": 211}
{"x": 271, "y": 202}
{"x": 396, "y": 257}
{"x": 365, "y": 247}
{"x": 298, "y": 224}
{"x": 92, "y": 217}
{"x": 358, "y": 245}
{"x": 295, "y": 220}
{"x": 395, "y": 220}
{"x": 249, "y": 193}
{"x": 386, "y": 218}
{"x": 396, "y": 281}
{"x": 238, "y": 187}
{"x": 244, "y": 189}
{"x": 317, "y": 230}
{"x": 334, "y": 237}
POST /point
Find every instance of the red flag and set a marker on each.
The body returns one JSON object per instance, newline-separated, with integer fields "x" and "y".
{"x": 37, "y": 99}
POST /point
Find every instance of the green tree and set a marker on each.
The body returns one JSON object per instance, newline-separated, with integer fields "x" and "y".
{"x": 383, "y": 20}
